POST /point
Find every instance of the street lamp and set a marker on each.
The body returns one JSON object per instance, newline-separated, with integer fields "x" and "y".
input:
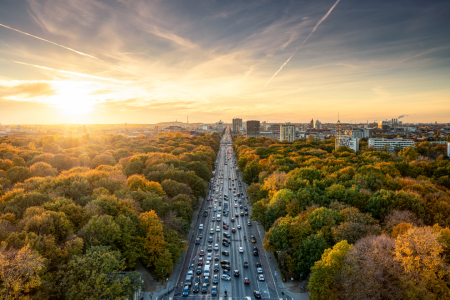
{"x": 162, "y": 277}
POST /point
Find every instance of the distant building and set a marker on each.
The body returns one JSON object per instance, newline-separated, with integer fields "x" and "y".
{"x": 287, "y": 132}
{"x": 219, "y": 126}
{"x": 275, "y": 129}
{"x": 358, "y": 133}
{"x": 317, "y": 125}
{"x": 311, "y": 124}
{"x": 348, "y": 141}
{"x": 384, "y": 125}
{"x": 267, "y": 134}
{"x": 253, "y": 128}
{"x": 390, "y": 144}
{"x": 448, "y": 149}
{"x": 394, "y": 123}
{"x": 237, "y": 124}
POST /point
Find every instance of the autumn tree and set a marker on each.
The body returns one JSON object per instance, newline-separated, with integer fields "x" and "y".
{"x": 153, "y": 240}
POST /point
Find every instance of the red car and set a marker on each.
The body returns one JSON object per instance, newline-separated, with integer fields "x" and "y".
{"x": 225, "y": 227}
{"x": 246, "y": 280}
{"x": 200, "y": 261}
{"x": 202, "y": 252}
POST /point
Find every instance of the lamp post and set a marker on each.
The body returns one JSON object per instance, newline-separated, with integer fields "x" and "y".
{"x": 162, "y": 277}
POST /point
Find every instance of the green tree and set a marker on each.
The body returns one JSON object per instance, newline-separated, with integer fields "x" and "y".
{"x": 309, "y": 252}
{"x": 379, "y": 205}
{"x": 100, "y": 230}
{"x": 18, "y": 174}
{"x": 98, "y": 275}
{"x": 409, "y": 153}
{"x": 164, "y": 264}
{"x": 322, "y": 284}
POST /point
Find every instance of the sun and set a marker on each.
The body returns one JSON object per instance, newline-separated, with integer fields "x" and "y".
{"x": 73, "y": 98}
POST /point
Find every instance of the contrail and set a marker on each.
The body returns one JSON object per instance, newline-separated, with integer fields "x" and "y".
{"x": 56, "y": 44}
{"x": 314, "y": 29}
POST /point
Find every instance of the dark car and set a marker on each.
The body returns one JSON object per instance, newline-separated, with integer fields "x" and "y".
{"x": 199, "y": 270}
{"x": 246, "y": 213}
{"x": 226, "y": 234}
{"x": 257, "y": 294}
{"x": 201, "y": 253}
{"x": 200, "y": 236}
{"x": 195, "y": 288}
{"x": 206, "y": 280}
{"x": 245, "y": 208}
{"x": 226, "y": 267}
{"x": 216, "y": 268}
{"x": 197, "y": 241}
{"x": 236, "y": 273}
{"x": 232, "y": 220}
{"x": 225, "y": 244}
{"x": 205, "y": 213}
{"x": 226, "y": 272}
{"x": 255, "y": 253}
{"x": 214, "y": 290}
{"x": 209, "y": 248}
{"x": 210, "y": 239}
{"x": 233, "y": 230}
{"x": 186, "y": 291}
{"x": 245, "y": 264}
{"x": 258, "y": 265}
{"x": 227, "y": 240}
{"x": 197, "y": 279}
{"x": 225, "y": 262}
{"x": 226, "y": 253}
{"x": 204, "y": 288}
{"x": 242, "y": 213}
{"x": 236, "y": 215}
{"x": 191, "y": 267}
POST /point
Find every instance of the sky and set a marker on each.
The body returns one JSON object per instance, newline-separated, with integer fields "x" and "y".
{"x": 139, "y": 61}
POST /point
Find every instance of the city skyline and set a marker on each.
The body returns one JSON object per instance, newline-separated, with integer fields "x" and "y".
{"x": 106, "y": 62}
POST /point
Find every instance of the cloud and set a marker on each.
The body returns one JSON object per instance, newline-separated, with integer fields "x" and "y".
{"x": 27, "y": 90}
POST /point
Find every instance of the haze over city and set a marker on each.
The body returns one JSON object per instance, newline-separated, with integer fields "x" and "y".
{"x": 94, "y": 61}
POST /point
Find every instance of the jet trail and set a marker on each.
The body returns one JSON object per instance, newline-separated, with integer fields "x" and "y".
{"x": 56, "y": 44}
{"x": 314, "y": 29}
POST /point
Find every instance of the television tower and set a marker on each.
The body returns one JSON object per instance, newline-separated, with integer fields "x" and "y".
{"x": 338, "y": 134}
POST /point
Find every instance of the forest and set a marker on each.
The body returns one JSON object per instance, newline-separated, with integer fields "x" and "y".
{"x": 77, "y": 213}
{"x": 365, "y": 225}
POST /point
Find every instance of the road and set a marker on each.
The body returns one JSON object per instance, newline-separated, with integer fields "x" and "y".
{"x": 226, "y": 181}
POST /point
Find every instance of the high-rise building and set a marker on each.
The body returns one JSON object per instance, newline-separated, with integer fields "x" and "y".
{"x": 384, "y": 125}
{"x": 394, "y": 123}
{"x": 311, "y": 124}
{"x": 390, "y": 144}
{"x": 317, "y": 125}
{"x": 253, "y": 128}
{"x": 237, "y": 124}
{"x": 347, "y": 141}
{"x": 219, "y": 126}
{"x": 287, "y": 132}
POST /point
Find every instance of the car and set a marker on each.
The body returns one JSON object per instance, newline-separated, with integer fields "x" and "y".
{"x": 186, "y": 291}
{"x": 225, "y": 227}
{"x": 200, "y": 236}
{"x": 241, "y": 250}
{"x": 246, "y": 213}
{"x": 210, "y": 239}
{"x": 225, "y": 262}
{"x": 226, "y": 267}
{"x": 236, "y": 273}
{"x": 236, "y": 215}
{"x": 227, "y": 240}
{"x": 195, "y": 288}
{"x": 199, "y": 270}
{"x": 242, "y": 213}
{"x": 206, "y": 280}
{"x": 216, "y": 268}
{"x": 253, "y": 239}
{"x": 245, "y": 208}
{"x": 191, "y": 267}
{"x": 241, "y": 207}
{"x": 236, "y": 205}
{"x": 204, "y": 288}
{"x": 214, "y": 290}
{"x": 246, "y": 280}
{"x": 249, "y": 223}
{"x": 226, "y": 234}
{"x": 261, "y": 277}
{"x": 255, "y": 253}
{"x": 209, "y": 248}
{"x": 233, "y": 219}
{"x": 213, "y": 219}
{"x": 225, "y": 244}
{"x": 245, "y": 264}
{"x": 233, "y": 230}
{"x": 197, "y": 241}
{"x": 202, "y": 253}
{"x": 209, "y": 257}
{"x": 226, "y": 253}
{"x": 225, "y": 277}
{"x": 197, "y": 279}
{"x": 259, "y": 270}
{"x": 200, "y": 227}
{"x": 257, "y": 294}
{"x": 216, "y": 247}
{"x": 258, "y": 264}
{"x": 190, "y": 273}
{"x": 200, "y": 261}
{"x": 239, "y": 226}
{"x": 211, "y": 231}
{"x": 217, "y": 228}
{"x": 216, "y": 257}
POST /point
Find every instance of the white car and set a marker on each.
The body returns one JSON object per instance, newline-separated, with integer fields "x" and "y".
{"x": 211, "y": 231}
{"x": 261, "y": 277}
{"x": 217, "y": 228}
{"x": 209, "y": 257}
{"x": 200, "y": 227}
{"x": 213, "y": 219}
{"x": 216, "y": 247}
{"x": 236, "y": 205}
{"x": 225, "y": 277}
{"x": 259, "y": 270}
{"x": 241, "y": 250}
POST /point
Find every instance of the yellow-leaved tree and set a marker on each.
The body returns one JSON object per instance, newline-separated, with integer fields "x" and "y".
{"x": 154, "y": 237}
